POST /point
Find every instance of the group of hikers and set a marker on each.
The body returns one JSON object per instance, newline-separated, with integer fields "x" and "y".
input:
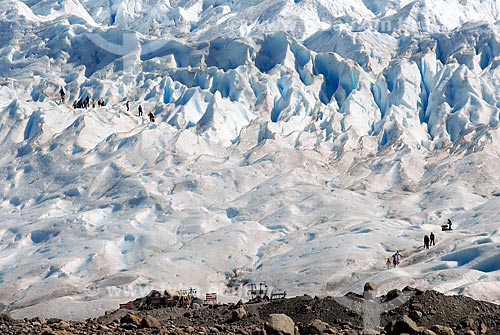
{"x": 85, "y": 103}
{"x": 396, "y": 259}
{"x": 429, "y": 240}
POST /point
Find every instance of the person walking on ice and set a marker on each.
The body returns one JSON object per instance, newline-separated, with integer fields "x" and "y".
{"x": 63, "y": 95}
{"x": 432, "y": 239}
{"x": 426, "y": 242}
{"x": 396, "y": 258}
{"x": 151, "y": 117}
{"x": 388, "y": 263}
{"x": 140, "y": 110}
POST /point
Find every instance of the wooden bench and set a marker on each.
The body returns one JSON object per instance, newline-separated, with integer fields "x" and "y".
{"x": 210, "y": 298}
{"x": 278, "y": 295}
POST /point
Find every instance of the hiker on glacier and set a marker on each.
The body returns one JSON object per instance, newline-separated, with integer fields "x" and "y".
{"x": 140, "y": 110}
{"x": 151, "y": 117}
{"x": 432, "y": 239}
{"x": 63, "y": 95}
{"x": 426, "y": 242}
{"x": 396, "y": 258}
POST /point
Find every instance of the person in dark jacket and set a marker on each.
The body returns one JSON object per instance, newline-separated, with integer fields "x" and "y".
{"x": 426, "y": 242}
{"x": 151, "y": 117}
{"x": 63, "y": 95}
{"x": 140, "y": 110}
{"x": 432, "y": 239}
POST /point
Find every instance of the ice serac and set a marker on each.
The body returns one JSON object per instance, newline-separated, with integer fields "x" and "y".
{"x": 223, "y": 120}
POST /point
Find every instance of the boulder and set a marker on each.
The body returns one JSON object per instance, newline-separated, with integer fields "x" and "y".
{"x": 176, "y": 331}
{"x": 41, "y": 320}
{"x": 393, "y": 294}
{"x": 189, "y": 329}
{"x": 62, "y": 325}
{"x": 420, "y": 290}
{"x": 370, "y": 291}
{"x": 258, "y": 331}
{"x": 370, "y": 286}
{"x": 238, "y": 314}
{"x": 131, "y": 319}
{"x": 405, "y": 325}
{"x": 128, "y": 326}
{"x": 442, "y": 330}
{"x": 314, "y": 327}
{"x": 150, "y": 322}
{"x": 279, "y": 324}
{"x": 416, "y": 315}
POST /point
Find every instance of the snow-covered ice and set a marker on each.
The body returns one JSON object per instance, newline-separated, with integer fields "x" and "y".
{"x": 297, "y": 143}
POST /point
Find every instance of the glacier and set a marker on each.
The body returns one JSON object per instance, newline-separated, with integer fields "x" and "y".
{"x": 297, "y": 143}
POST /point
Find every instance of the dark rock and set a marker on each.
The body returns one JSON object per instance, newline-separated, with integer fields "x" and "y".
{"x": 189, "y": 329}
{"x": 370, "y": 291}
{"x": 53, "y": 320}
{"x": 258, "y": 331}
{"x": 415, "y": 315}
{"x": 131, "y": 319}
{"x": 393, "y": 294}
{"x": 353, "y": 295}
{"x": 467, "y": 323}
{"x": 176, "y": 332}
{"x": 40, "y": 320}
{"x": 62, "y": 325}
{"x": 420, "y": 290}
{"x": 370, "y": 286}
{"x": 128, "y": 326}
{"x": 238, "y": 314}
{"x": 150, "y": 322}
{"x": 405, "y": 325}
{"x": 416, "y": 306}
{"x": 213, "y": 330}
{"x": 442, "y": 330}
{"x": 315, "y": 327}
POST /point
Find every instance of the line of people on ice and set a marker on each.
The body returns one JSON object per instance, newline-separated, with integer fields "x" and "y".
{"x": 85, "y": 103}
